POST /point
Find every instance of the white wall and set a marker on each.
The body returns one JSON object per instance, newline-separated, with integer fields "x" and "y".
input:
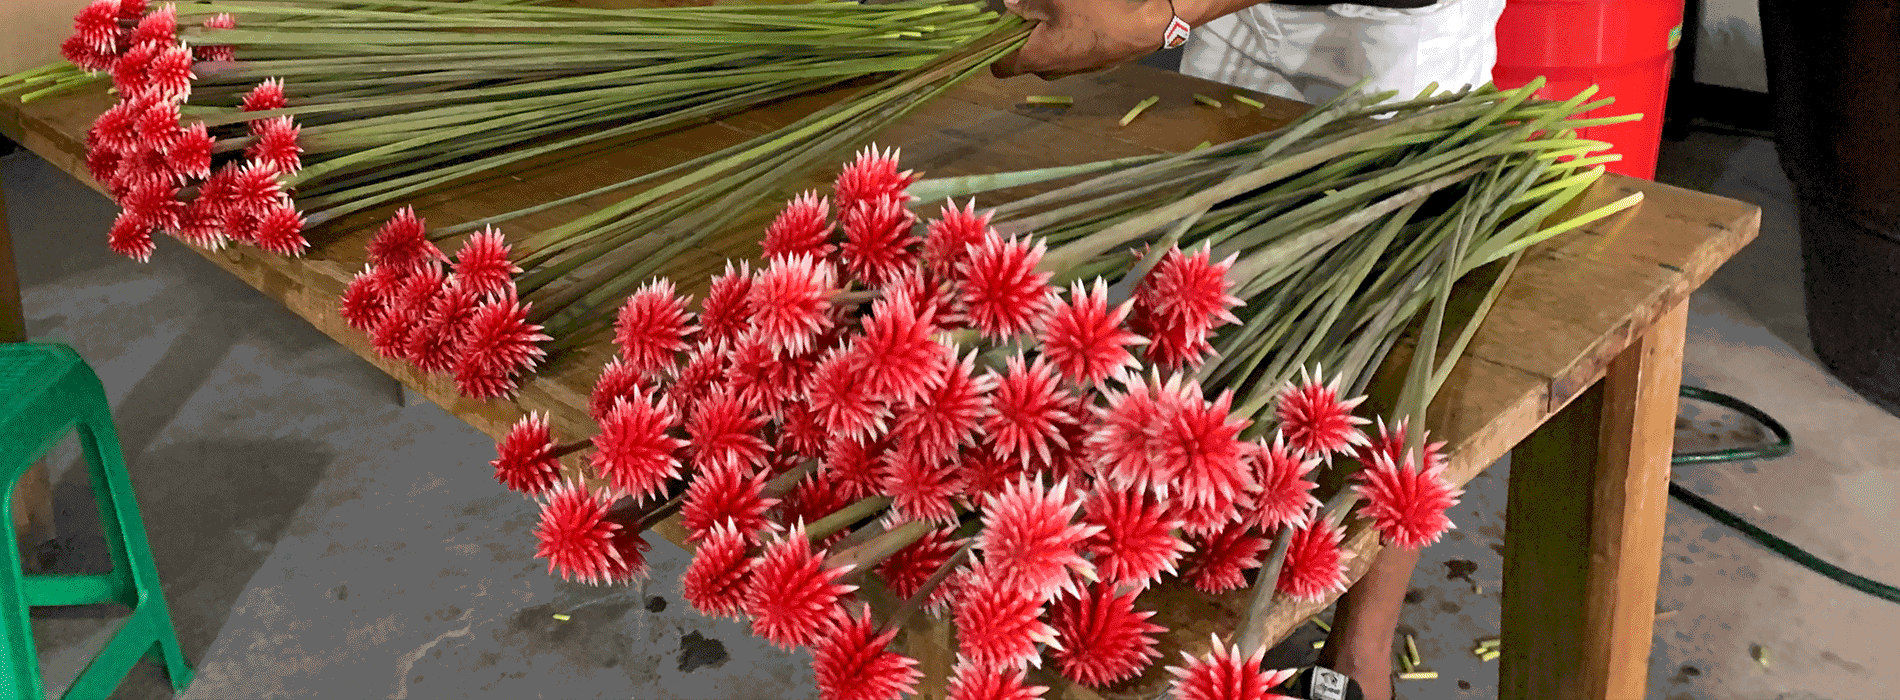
{"x": 1729, "y": 50}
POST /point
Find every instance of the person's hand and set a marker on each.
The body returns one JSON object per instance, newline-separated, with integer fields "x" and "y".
{"x": 1078, "y": 36}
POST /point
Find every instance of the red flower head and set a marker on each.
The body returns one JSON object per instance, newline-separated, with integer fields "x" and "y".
{"x": 1285, "y": 496}
{"x": 280, "y": 230}
{"x": 191, "y": 152}
{"x": 653, "y": 326}
{"x": 1137, "y": 542}
{"x": 791, "y": 303}
{"x": 793, "y": 595}
{"x": 723, "y": 431}
{"x": 483, "y": 265}
{"x": 852, "y": 660}
{"x": 1225, "y": 675}
{"x": 102, "y": 163}
{"x": 1200, "y": 439}
{"x": 585, "y": 541}
{"x": 256, "y": 188}
{"x": 898, "y": 360}
{"x": 524, "y": 459}
{"x": 78, "y": 50}
{"x": 1190, "y": 289}
{"x": 131, "y": 236}
{"x": 1314, "y": 565}
{"x": 1221, "y": 559}
{"x": 921, "y": 488}
{"x": 727, "y": 494}
{"x": 618, "y": 380}
{"x": 131, "y": 10}
{"x": 116, "y": 129}
{"x": 811, "y": 500}
{"x": 218, "y": 52}
{"x": 96, "y": 30}
{"x": 764, "y": 382}
{"x": 368, "y": 297}
{"x": 276, "y": 147}
{"x": 725, "y": 314}
{"x": 854, "y": 468}
{"x": 219, "y": 191}
{"x": 1003, "y": 293}
{"x": 991, "y": 683}
{"x": 1104, "y": 638}
{"x": 1172, "y": 344}
{"x": 716, "y": 581}
{"x": 1391, "y": 443}
{"x": 436, "y": 344}
{"x": 131, "y": 72}
{"x": 843, "y": 400}
{"x": 1030, "y": 538}
{"x": 267, "y": 96}
{"x": 872, "y": 177}
{"x": 201, "y": 224}
{"x": 240, "y": 224}
{"x": 939, "y": 425}
{"x": 168, "y": 76}
{"x": 157, "y": 126}
{"x": 155, "y": 203}
{"x": 706, "y": 364}
{"x": 947, "y": 239}
{"x": 999, "y": 624}
{"x": 402, "y": 244}
{"x": 802, "y": 228}
{"x": 878, "y": 244}
{"x": 1086, "y": 340}
{"x": 406, "y": 310}
{"x": 905, "y": 572}
{"x": 1124, "y": 446}
{"x": 634, "y": 450}
{"x": 1027, "y": 411}
{"x": 1314, "y": 419}
{"x": 159, "y": 26}
{"x": 1405, "y": 503}
{"x": 499, "y": 343}
{"x": 985, "y": 474}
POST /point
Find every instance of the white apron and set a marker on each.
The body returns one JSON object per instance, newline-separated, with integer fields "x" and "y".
{"x": 1313, "y": 53}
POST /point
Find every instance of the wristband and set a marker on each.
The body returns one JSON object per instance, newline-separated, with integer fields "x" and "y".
{"x": 1320, "y": 683}
{"x": 1177, "y": 32}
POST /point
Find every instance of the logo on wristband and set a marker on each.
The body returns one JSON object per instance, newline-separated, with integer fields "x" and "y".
{"x": 1176, "y": 35}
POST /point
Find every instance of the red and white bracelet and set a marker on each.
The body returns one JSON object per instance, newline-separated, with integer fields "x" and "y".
{"x": 1177, "y": 32}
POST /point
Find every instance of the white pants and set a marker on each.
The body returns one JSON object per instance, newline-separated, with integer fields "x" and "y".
{"x": 1313, "y": 53}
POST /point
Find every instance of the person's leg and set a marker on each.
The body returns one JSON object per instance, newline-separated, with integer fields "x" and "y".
{"x": 1365, "y": 620}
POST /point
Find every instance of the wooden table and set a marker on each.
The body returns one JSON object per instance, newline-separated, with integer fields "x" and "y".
{"x": 1575, "y": 372}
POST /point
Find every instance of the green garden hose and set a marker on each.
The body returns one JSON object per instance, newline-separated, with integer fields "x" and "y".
{"x": 1783, "y": 443}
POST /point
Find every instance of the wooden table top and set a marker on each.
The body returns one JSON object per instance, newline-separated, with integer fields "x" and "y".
{"x": 1573, "y": 305}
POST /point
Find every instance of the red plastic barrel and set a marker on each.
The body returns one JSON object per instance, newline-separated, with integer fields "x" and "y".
{"x": 1625, "y": 47}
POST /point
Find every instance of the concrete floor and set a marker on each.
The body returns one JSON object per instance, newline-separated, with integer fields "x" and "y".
{"x": 317, "y": 539}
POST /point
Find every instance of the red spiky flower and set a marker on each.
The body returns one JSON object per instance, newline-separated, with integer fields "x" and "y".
{"x": 1190, "y": 290}
{"x": 482, "y": 264}
{"x": 1314, "y": 565}
{"x": 1221, "y": 559}
{"x": 791, "y": 303}
{"x": 131, "y": 236}
{"x": 905, "y": 572}
{"x": 1390, "y": 441}
{"x": 1200, "y": 437}
{"x": 634, "y": 449}
{"x": 653, "y": 326}
{"x": 1406, "y": 504}
{"x": 524, "y": 459}
{"x": 583, "y": 539}
{"x": 1223, "y": 674}
{"x": 843, "y": 401}
{"x": 813, "y": 499}
{"x": 276, "y": 147}
{"x": 723, "y": 431}
{"x": 1086, "y": 340}
{"x": 1028, "y": 409}
{"x": 368, "y": 297}
{"x": 218, "y": 52}
{"x": 947, "y": 238}
{"x": 499, "y": 344}
{"x": 406, "y": 309}
{"x": 999, "y": 624}
{"x": 878, "y": 244}
{"x": 980, "y": 682}
{"x": 1136, "y": 542}
{"x": 266, "y": 96}
{"x": 191, "y": 152}
{"x": 1315, "y": 420}
{"x": 717, "y": 580}
{"x": 871, "y": 177}
{"x": 802, "y": 228}
{"x": 728, "y": 494}
{"x": 855, "y": 468}
{"x": 1003, "y": 294}
{"x": 618, "y": 380}
{"x": 921, "y": 488}
{"x": 280, "y": 229}
{"x": 726, "y": 313}
{"x": 793, "y": 593}
{"x": 1031, "y": 540}
{"x": 946, "y": 419}
{"x": 168, "y": 75}
{"x": 852, "y": 660}
{"x": 159, "y": 26}
{"x": 1104, "y": 638}
{"x": 129, "y": 72}
{"x": 116, "y": 130}
{"x": 1285, "y": 496}
{"x": 96, "y": 30}
{"x": 1123, "y": 445}
{"x": 436, "y": 344}
{"x": 899, "y": 360}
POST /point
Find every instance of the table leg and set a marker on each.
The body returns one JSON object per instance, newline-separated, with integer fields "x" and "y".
{"x": 1589, "y": 494}
{"x": 33, "y": 496}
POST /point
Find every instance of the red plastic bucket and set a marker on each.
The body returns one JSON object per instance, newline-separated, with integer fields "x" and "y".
{"x": 1625, "y": 47}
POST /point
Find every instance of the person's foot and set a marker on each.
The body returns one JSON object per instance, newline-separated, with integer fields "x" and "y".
{"x": 1366, "y": 620}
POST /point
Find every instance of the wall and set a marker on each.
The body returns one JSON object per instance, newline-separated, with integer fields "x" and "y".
{"x": 30, "y": 31}
{"x": 1729, "y": 53}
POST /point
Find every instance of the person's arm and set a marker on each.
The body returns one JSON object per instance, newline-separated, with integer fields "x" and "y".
{"x": 1078, "y": 36}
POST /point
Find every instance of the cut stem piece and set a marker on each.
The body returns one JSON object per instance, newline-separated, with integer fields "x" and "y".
{"x": 1140, "y": 107}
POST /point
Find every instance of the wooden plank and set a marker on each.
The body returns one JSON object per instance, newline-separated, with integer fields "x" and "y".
{"x": 33, "y": 494}
{"x": 1600, "y": 467}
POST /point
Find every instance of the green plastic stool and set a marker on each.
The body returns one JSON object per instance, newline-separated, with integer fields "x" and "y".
{"x": 45, "y": 391}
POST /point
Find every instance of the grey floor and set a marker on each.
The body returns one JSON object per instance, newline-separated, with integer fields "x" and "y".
{"x": 319, "y": 539}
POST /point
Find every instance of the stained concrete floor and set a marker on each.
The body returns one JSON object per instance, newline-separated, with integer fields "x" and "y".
{"x": 319, "y": 539}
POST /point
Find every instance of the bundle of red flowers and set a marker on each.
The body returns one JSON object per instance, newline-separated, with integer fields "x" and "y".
{"x": 924, "y": 412}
